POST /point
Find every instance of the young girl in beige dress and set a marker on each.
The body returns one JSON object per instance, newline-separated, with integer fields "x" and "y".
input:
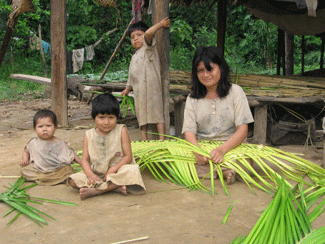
{"x": 107, "y": 160}
{"x": 144, "y": 77}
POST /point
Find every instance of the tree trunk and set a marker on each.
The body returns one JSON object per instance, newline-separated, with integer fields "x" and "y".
{"x": 160, "y": 11}
{"x": 6, "y": 41}
{"x": 59, "y": 65}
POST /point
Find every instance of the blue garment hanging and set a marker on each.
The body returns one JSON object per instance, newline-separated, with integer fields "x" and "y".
{"x": 45, "y": 46}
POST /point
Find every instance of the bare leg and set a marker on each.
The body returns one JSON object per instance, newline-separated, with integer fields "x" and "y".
{"x": 71, "y": 183}
{"x": 91, "y": 192}
{"x": 144, "y": 134}
{"x": 229, "y": 175}
{"x": 161, "y": 130}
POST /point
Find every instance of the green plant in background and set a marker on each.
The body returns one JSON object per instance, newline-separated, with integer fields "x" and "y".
{"x": 18, "y": 200}
{"x": 181, "y": 33}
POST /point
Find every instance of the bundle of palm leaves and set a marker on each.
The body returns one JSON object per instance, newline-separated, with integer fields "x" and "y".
{"x": 17, "y": 198}
{"x": 285, "y": 220}
{"x": 174, "y": 160}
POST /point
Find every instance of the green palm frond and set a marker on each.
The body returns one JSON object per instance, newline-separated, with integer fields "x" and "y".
{"x": 285, "y": 220}
{"x": 127, "y": 102}
{"x": 315, "y": 237}
{"x": 17, "y": 199}
{"x": 174, "y": 160}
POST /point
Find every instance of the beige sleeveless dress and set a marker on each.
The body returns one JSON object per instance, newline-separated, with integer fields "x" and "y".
{"x": 104, "y": 152}
{"x": 49, "y": 162}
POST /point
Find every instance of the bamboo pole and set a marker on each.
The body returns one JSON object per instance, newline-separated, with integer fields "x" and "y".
{"x": 115, "y": 51}
{"x": 41, "y": 49}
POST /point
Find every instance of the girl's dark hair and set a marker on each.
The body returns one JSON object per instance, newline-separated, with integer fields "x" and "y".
{"x": 45, "y": 113}
{"x": 105, "y": 104}
{"x": 138, "y": 26}
{"x": 209, "y": 55}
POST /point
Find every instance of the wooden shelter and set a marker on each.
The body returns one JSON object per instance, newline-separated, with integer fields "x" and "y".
{"x": 286, "y": 14}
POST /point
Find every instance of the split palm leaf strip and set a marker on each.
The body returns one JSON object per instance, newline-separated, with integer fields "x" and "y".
{"x": 174, "y": 160}
{"x": 17, "y": 198}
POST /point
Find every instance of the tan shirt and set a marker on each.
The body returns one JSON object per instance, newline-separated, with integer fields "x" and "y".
{"x": 105, "y": 151}
{"x": 145, "y": 79}
{"x": 46, "y": 156}
{"x": 217, "y": 119}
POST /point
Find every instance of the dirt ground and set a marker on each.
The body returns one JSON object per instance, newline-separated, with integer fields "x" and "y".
{"x": 163, "y": 215}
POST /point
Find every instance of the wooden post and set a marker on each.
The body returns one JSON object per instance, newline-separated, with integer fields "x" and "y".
{"x": 280, "y": 53}
{"x": 260, "y": 124}
{"x": 160, "y": 11}
{"x": 222, "y": 24}
{"x": 302, "y": 54}
{"x": 289, "y": 48}
{"x": 321, "y": 63}
{"x": 59, "y": 98}
{"x": 179, "y": 107}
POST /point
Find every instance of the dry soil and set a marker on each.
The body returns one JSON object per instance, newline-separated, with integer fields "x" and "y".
{"x": 165, "y": 214}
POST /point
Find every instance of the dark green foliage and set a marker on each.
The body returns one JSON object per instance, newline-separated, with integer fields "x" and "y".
{"x": 251, "y": 44}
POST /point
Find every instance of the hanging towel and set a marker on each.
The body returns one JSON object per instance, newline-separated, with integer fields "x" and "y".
{"x": 137, "y": 6}
{"x": 45, "y": 46}
{"x": 77, "y": 59}
{"x": 90, "y": 52}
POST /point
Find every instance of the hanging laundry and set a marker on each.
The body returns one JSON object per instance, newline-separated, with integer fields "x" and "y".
{"x": 90, "y": 52}
{"x": 149, "y": 11}
{"x": 46, "y": 46}
{"x": 77, "y": 59}
{"x": 137, "y": 6}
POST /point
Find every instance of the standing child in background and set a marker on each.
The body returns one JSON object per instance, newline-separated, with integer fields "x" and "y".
{"x": 107, "y": 160}
{"x": 144, "y": 77}
{"x": 46, "y": 158}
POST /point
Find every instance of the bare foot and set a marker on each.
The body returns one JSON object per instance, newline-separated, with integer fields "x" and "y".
{"x": 230, "y": 176}
{"x": 88, "y": 192}
{"x": 121, "y": 189}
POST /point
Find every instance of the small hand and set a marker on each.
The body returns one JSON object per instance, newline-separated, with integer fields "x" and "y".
{"x": 165, "y": 23}
{"x": 125, "y": 92}
{"x": 200, "y": 159}
{"x": 216, "y": 155}
{"x": 111, "y": 170}
{"x": 92, "y": 179}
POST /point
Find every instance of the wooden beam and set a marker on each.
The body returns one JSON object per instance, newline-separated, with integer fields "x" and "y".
{"x": 59, "y": 101}
{"x": 161, "y": 11}
{"x": 32, "y": 78}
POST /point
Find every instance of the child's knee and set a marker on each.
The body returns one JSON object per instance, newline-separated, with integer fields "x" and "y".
{"x": 71, "y": 183}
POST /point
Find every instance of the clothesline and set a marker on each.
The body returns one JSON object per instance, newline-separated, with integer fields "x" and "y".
{"x": 86, "y": 53}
